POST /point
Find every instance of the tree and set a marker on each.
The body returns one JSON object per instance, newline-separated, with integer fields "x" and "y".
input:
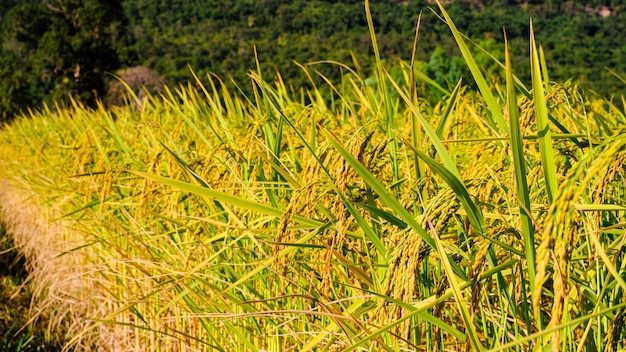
{"x": 14, "y": 90}
{"x": 70, "y": 44}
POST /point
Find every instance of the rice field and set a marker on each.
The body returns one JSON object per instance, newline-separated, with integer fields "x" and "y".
{"x": 350, "y": 217}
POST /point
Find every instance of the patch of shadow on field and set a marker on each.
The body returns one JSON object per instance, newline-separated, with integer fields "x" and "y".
{"x": 15, "y": 298}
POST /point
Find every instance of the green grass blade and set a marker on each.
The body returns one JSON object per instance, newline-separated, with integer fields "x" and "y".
{"x": 383, "y": 215}
{"x": 452, "y": 102}
{"x": 543, "y": 126}
{"x": 544, "y": 65}
{"x": 186, "y": 167}
{"x": 607, "y": 261}
{"x": 227, "y": 198}
{"x": 416, "y": 130}
{"x": 370, "y": 234}
{"x": 461, "y": 302}
{"x": 448, "y": 162}
{"x": 523, "y": 192}
{"x": 519, "y": 163}
{"x": 388, "y": 106}
{"x": 485, "y": 90}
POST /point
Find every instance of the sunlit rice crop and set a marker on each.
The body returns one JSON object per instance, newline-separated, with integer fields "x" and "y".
{"x": 208, "y": 220}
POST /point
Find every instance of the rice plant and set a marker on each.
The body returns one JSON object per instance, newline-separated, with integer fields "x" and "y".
{"x": 208, "y": 220}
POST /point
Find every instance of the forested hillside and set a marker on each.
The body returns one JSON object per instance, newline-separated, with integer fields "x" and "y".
{"x": 52, "y": 48}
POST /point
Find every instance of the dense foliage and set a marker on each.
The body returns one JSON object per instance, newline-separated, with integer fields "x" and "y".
{"x": 43, "y": 48}
{"x": 56, "y": 48}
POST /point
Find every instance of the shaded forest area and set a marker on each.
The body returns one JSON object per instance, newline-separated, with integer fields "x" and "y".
{"x": 52, "y": 48}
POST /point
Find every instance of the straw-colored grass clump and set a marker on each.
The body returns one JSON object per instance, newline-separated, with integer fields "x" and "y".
{"x": 372, "y": 220}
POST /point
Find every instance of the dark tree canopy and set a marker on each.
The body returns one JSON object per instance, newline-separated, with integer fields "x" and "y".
{"x": 63, "y": 46}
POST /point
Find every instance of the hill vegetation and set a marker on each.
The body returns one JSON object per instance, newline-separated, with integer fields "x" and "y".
{"x": 52, "y": 48}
